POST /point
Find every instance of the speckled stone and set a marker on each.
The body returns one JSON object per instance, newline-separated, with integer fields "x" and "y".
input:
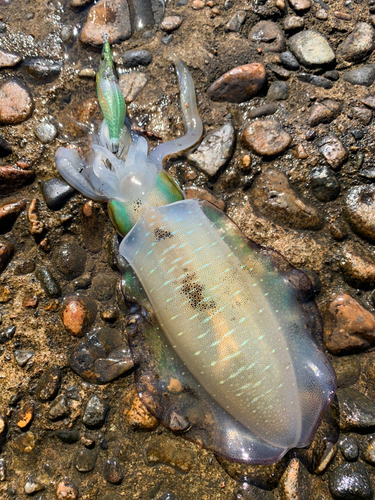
{"x": 70, "y": 259}
{"x": 95, "y": 413}
{"x": 293, "y": 23}
{"x": 358, "y": 269}
{"x": 359, "y": 44}
{"x": 266, "y": 137}
{"x": 49, "y": 384}
{"x": 66, "y": 490}
{"x": 296, "y": 482}
{"x": 9, "y": 59}
{"x": 48, "y": 281}
{"x": 132, "y": 84}
{"x": 113, "y": 472}
{"x": 300, "y": 5}
{"x": 359, "y": 208}
{"x": 171, "y": 23}
{"x": 364, "y": 75}
{"x": 22, "y": 356}
{"x": 350, "y": 481}
{"x": 78, "y": 314}
{"x": 16, "y": 102}
{"x": 349, "y": 448}
{"x": 356, "y": 411}
{"x": 333, "y": 151}
{"x": 46, "y": 132}
{"x": 267, "y": 36}
{"x": 324, "y": 185}
{"x": 311, "y": 48}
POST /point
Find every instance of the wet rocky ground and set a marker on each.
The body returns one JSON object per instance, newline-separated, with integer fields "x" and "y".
{"x": 286, "y": 94}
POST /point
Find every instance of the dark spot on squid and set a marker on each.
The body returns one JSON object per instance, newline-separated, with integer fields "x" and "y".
{"x": 193, "y": 290}
{"x": 137, "y": 205}
{"x": 162, "y": 234}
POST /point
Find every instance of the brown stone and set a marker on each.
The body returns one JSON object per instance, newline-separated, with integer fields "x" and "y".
{"x": 13, "y": 178}
{"x": 107, "y": 17}
{"x": 362, "y": 114}
{"x": 300, "y": 5}
{"x": 77, "y": 4}
{"x": 267, "y": 36}
{"x": 8, "y": 59}
{"x": 203, "y": 194}
{"x": 16, "y": 102}
{"x": 358, "y": 270}
{"x": 348, "y": 326}
{"x": 369, "y": 101}
{"x": 296, "y": 483}
{"x": 138, "y": 417}
{"x": 266, "y": 137}
{"x": 333, "y": 151}
{"x": 25, "y": 443}
{"x": 6, "y": 253}
{"x": 78, "y": 314}
{"x": 198, "y": 5}
{"x": 30, "y": 302}
{"x": 131, "y": 84}
{"x": 273, "y": 197}
{"x": 49, "y": 384}
{"x": 169, "y": 452}
{"x": 9, "y": 212}
{"x": 171, "y": 23}
{"x": 26, "y": 415}
{"x": 319, "y": 114}
{"x": 359, "y": 208}
{"x": 66, "y": 490}
{"x": 239, "y": 84}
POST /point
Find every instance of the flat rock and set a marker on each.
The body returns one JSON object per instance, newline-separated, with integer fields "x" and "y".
{"x": 46, "y": 132}
{"x": 365, "y": 75}
{"x": 44, "y": 70}
{"x": 16, "y": 102}
{"x": 300, "y": 5}
{"x": 359, "y": 208}
{"x": 22, "y": 356}
{"x": 356, "y": 411}
{"x": 318, "y": 81}
{"x": 132, "y": 58}
{"x": 293, "y": 23}
{"x": 324, "y": 112}
{"x": 8, "y": 59}
{"x": 278, "y": 91}
{"x": 358, "y": 270}
{"x": 131, "y": 84}
{"x": 333, "y": 151}
{"x": 215, "y": 150}
{"x": 267, "y": 36}
{"x": 266, "y": 137}
{"x": 264, "y": 110}
{"x": 235, "y": 23}
{"x": 363, "y": 115}
{"x": 348, "y": 326}
{"x": 14, "y": 178}
{"x": 56, "y": 193}
{"x": 239, "y": 84}
{"x": 348, "y": 481}
{"x": 311, "y": 48}
{"x": 273, "y": 198}
{"x": 107, "y": 17}
{"x": 359, "y": 44}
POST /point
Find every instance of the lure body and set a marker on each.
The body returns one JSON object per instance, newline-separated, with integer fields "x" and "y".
{"x": 110, "y": 97}
{"x": 229, "y": 355}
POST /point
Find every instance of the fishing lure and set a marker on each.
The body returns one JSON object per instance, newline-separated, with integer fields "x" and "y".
{"x": 110, "y": 97}
{"x": 228, "y": 354}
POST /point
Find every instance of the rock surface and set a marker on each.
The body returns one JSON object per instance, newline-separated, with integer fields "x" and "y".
{"x": 311, "y": 48}
{"x": 16, "y": 102}
{"x": 266, "y": 137}
{"x": 359, "y": 207}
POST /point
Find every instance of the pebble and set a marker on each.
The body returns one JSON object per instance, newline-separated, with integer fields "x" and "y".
{"x": 7, "y": 334}
{"x": 16, "y": 102}
{"x": 103, "y": 356}
{"x": 348, "y": 481}
{"x": 167, "y": 39}
{"x": 358, "y": 270}
{"x": 133, "y": 58}
{"x": 6, "y": 253}
{"x": 70, "y": 260}
{"x": 369, "y": 101}
{"x": 361, "y": 114}
{"x": 78, "y": 314}
{"x": 344, "y": 16}
{"x": 356, "y": 411}
{"x": 66, "y": 490}
{"x": 9, "y": 59}
{"x": 267, "y": 36}
{"x": 32, "y": 486}
{"x": 48, "y": 282}
{"x": 311, "y": 48}
{"x": 113, "y": 472}
{"x": 67, "y": 33}
{"x": 44, "y": 70}
{"x": 289, "y": 61}
{"x": 318, "y": 81}
{"x": 332, "y": 74}
{"x": 348, "y": 370}
{"x": 321, "y": 14}
{"x": 132, "y": 84}
{"x": 215, "y": 150}
{"x": 59, "y": 408}
{"x": 26, "y": 415}
{"x": 278, "y": 91}
{"x": 85, "y": 460}
{"x": 324, "y": 112}
{"x": 195, "y": 192}
{"x": 293, "y": 23}
{"x": 359, "y": 208}
{"x": 348, "y": 326}
{"x": 300, "y": 5}
{"x": 349, "y": 448}
{"x": 280, "y": 72}
{"x": 3, "y": 470}
{"x": 239, "y": 84}
{"x": 97, "y": 23}
{"x": 22, "y": 356}
{"x": 5, "y": 148}
{"x": 104, "y": 286}
{"x": 5, "y": 294}
{"x": 273, "y": 197}
{"x": 324, "y": 184}
{"x": 49, "y": 384}
{"x": 14, "y": 178}
{"x": 266, "y": 137}
{"x": 265, "y": 110}
{"x": 333, "y": 151}
{"x": 69, "y": 437}
{"x": 56, "y": 193}
{"x": 25, "y": 443}
{"x": 46, "y": 132}
{"x": 198, "y": 5}
{"x": 169, "y": 452}
{"x": 138, "y": 416}
{"x": 95, "y": 413}
{"x": 171, "y": 23}
{"x": 359, "y": 44}
{"x": 369, "y": 452}
{"x": 296, "y": 482}
{"x": 365, "y": 75}
{"x": 235, "y": 23}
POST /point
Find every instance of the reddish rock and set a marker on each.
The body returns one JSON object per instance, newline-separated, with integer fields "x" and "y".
{"x": 30, "y": 301}
{"x": 198, "y": 5}
{"x": 348, "y": 326}
{"x": 8, "y": 59}
{"x": 333, "y": 151}
{"x": 16, "y": 102}
{"x": 300, "y": 5}
{"x": 66, "y": 490}
{"x": 239, "y": 84}
{"x": 324, "y": 112}
{"x": 358, "y": 270}
{"x": 9, "y": 212}
{"x": 266, "y": 137}
{"x": 6, "y": 253}
{"x": 78, "y": 314}
{"x": 362, "y": 114}
{"x": 26, "y": 414}
{"x": 171, "y": 23}
{"x": 107, "y": 17}
{"x": 267, "y": 36}
{"x": 296, "y": 482}
{"x": 13, "y": 178}
{"x": 138, "y": 417}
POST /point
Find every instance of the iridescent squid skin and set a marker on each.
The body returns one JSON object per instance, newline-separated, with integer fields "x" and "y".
{"x": 228, "y": 355}
{"x": 110, "y": 97}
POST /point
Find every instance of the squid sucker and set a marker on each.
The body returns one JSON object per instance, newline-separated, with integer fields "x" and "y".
{"x": 229, "y": 353}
